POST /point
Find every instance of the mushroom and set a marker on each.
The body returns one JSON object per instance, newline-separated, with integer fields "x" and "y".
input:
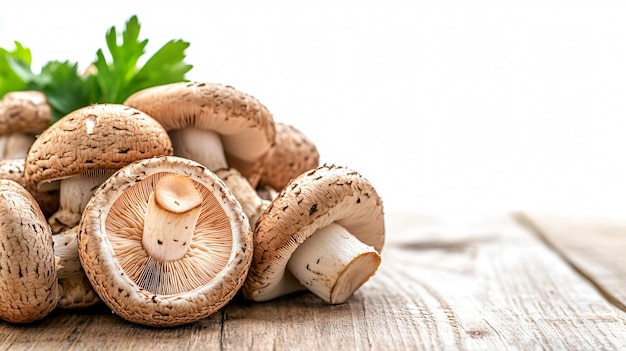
{"x": 213, "y": 124}
{"x": 33, "y": 262}
{"x": 28, "y": 285}
{"x": 291, "y": 154}
{"x": 23, "y": 115}
{"x": 323, "y": 232}
{"x": 74, "y": 292}
{"x": 82, "y": 149}
{"x": 164, "y": 242}
{"x": 222, "y": 128}
{"x": 13, "y": 169}
{"x": 77, "y": 153}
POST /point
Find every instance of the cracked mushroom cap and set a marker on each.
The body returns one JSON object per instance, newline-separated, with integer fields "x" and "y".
{"x": 167, "y": 291}
{"x": 13, "y": 169}
{"x": 245, "y": 125}
{"x": 292, "y": 154}
{"x": 92, "y": 139}
{"x": 28, "y": 280}
{"x": 313, "y": 200}
{"x": 24, "y": 112}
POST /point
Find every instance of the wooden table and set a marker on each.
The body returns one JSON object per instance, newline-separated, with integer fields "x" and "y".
{"x": 521, "y": 282}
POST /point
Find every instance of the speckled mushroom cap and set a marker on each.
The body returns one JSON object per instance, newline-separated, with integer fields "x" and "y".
{"x": 13, "y": 169}
{"x": 94, "y": 138}
{"x": 24, "y": 112}
{"x": 147, "y": 292}
{"x": 292, "y": 154}
{"x": 28, "y": 280}
{"x": 245, "y": 125}
{"x": 327, "y": 194}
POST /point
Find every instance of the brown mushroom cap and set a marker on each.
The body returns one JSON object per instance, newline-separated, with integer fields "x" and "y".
{"x": 149, "y": 292}
{"x": 28, "y": 280}
{"x": 315, "y": 199}
{"x": 13, "y": 169}
{"x": 94, "y": 138}
{"x": 245, "y": 125}
{"x": 292, "y": 154}
{"x": 24, "y": 112}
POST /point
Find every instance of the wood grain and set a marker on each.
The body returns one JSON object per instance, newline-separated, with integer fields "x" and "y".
{"x": 491, "y": 285}
{"x": 494, "y": 286}
{"x": 594, "y": 247}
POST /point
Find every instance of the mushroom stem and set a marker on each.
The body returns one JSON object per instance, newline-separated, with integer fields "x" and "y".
{"x": 74, "y": 288}
{"x": 332, "y": 263}
{"x": 74, "y": 193}
{"x": 266, "y": 192}
{"x": 15, "y": 145}
{"x": 253, "y": 205}
{"x": 185, "y": 142}
{"x": 76, "y": 292}
{"x": 66, "y": 252}
{"x": 173, "y": 211}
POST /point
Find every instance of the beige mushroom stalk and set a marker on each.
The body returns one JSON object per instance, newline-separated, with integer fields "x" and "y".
{"x": 28, "y": 285}
{"x": 75, "y": 291}
{"x": 224, "y": 129}
{"x": 164, "y": 242}
{"x": 23, "y": 115}
{"x": 171, "y": 216}
{"x": 253, "y": 204}
{"x": 323, "y": 232}
{"x": 82, "y": 149}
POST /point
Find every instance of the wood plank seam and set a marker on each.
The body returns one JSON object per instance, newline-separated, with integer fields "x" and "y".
{"x": 526, "y": 221}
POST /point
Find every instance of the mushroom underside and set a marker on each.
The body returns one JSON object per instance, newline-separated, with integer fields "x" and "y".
{"x": 210, "y": 244}
{"x": 164, "y": 291}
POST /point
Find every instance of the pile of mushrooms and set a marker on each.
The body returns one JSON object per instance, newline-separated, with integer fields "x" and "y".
{"x": 168, "y": 205}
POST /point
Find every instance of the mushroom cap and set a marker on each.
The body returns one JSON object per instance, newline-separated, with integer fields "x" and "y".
{"x": 292, "y": 154}
{"x": 24, "y": 112}
{"x": 13, "y": 169}
{"x": 244, "y": 124}
{"x": 116, "y": 264}
{"x": 99, "y": 137}
{"x": 327, "y": 194}
{"x": 28, "y": 280}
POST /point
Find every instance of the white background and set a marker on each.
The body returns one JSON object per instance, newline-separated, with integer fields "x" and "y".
{"x": 452, "y": 108}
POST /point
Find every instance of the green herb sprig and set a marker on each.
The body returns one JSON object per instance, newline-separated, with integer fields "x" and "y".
{"x": 107, "y": 80}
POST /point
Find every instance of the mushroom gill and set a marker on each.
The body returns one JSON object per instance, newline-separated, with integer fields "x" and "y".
{"x": 208, "y": 253}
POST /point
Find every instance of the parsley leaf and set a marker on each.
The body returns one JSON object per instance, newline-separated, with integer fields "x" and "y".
{"x": 14, "y": 68}
{"x": 165, "y": 66}
{"x": 107, "y": 80}
{"x": 122, "y": 77}
{"x": 63, "y": 86}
